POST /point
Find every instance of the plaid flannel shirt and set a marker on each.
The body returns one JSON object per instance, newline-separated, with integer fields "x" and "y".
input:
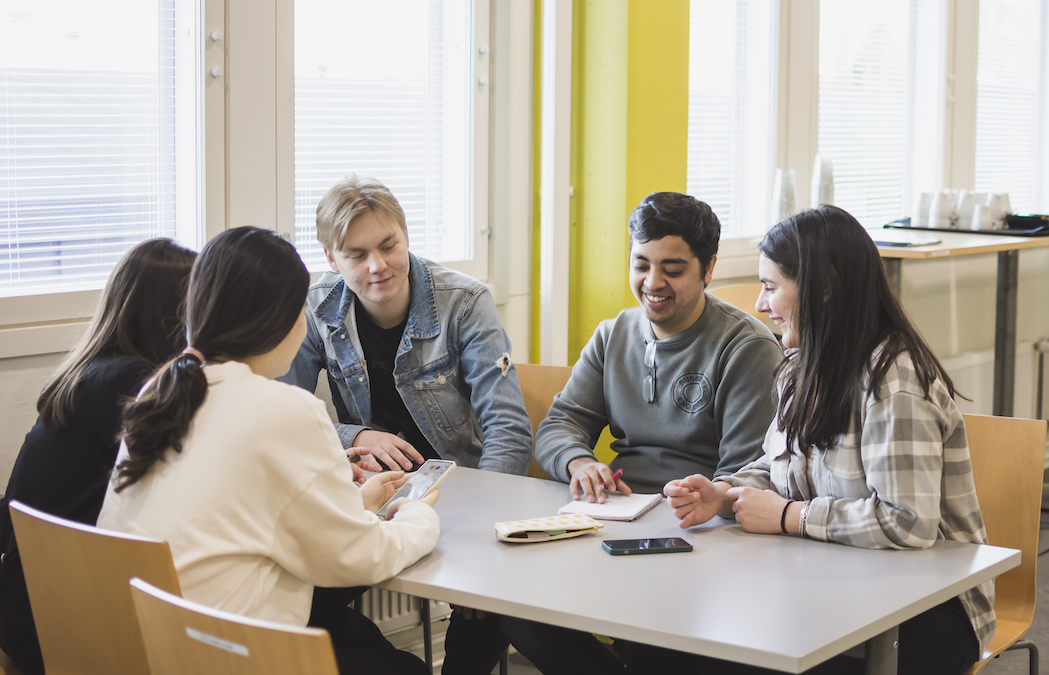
{"x": 900, "y": 478}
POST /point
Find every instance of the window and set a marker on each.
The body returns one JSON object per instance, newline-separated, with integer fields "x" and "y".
{"x": 98, "y": 137}
{"x": 407, "y": 119}
{"x": 732, "y": 110}
{"x": 880, "y": 69}
{"x": 1011, "y": 113}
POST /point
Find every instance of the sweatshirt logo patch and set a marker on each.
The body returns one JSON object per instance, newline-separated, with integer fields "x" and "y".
{"x": 692, "y": 392}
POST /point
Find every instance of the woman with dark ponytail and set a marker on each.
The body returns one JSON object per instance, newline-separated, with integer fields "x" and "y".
{"x": 67, "y": 457}
{"x": 245, "y": 476}
{"x": 867, "y": 449}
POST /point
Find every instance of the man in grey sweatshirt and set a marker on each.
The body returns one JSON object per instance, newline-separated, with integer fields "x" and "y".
{"x": 684, "y": 382}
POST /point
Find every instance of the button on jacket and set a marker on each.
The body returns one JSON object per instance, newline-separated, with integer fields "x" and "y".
{"x": 450, "y": 368}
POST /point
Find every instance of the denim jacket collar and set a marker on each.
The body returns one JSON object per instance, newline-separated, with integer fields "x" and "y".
{"x": 423, "y": 320}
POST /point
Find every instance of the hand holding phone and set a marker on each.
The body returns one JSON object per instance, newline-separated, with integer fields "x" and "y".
{"x": 643, "y": 546}
{"x": 429, "y": 475}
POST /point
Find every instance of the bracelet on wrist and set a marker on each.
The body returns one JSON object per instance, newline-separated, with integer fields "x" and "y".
{"x": 783, "y": 517}
{"x": 801, "y": 519}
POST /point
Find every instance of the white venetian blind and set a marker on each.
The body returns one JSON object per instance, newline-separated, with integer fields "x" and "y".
{"x": 879, "y": 95}
{"x": 98, "y": 142}
{"x": 732, "y": 110}
{"x": 383, "y": 89}
{"x": 1011, "y": 112}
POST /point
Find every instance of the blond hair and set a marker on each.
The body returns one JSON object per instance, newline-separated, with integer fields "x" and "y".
{"x": 349, "y": 199}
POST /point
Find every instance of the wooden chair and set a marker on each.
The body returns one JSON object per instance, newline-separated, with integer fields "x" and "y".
{"x": 6, "y": 667}
{"x": 743, "y": 296}
{"x": 539, "y": 385}
{"x": 1007, "y": 457}
{"x": 186, "y": 638}
{"x": 77, "y": 578}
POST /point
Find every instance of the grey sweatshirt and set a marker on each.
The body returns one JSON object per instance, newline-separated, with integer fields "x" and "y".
{"x": 713, "y": 398}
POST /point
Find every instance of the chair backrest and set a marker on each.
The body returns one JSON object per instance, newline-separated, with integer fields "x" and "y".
{"x": 1007, "y": 459}
{"x": 77, "y": 577}
{"x": 539, "y": 385}
{"x": 184, "y": 638}
{"x": 743, "y": 296}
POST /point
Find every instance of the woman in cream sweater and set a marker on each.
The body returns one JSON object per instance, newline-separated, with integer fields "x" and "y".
{"x": 245, "y": 477}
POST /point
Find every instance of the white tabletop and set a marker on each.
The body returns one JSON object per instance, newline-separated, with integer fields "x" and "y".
{"x": 773, "y": 601}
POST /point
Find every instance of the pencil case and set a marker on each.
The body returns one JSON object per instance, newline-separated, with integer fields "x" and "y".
{"x": 535, "y": 530}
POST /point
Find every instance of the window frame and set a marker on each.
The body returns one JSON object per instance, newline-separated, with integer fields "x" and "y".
{"x": 247, "y": 135}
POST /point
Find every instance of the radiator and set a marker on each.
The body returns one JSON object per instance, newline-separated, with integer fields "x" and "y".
{"x": 394, "y": 612}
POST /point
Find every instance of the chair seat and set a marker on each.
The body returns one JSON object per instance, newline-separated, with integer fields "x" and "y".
{"x": 6, "y": 667}
{"x": 1006, "y": 633}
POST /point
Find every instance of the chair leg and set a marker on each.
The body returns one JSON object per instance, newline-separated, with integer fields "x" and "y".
{"x": 504, "y": 663}
{"x": 1032, "y": 652}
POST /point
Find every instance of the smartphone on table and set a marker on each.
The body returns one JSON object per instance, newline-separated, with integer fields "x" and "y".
{"x": 426, "y": 478}
{"x": 642, "y": 546}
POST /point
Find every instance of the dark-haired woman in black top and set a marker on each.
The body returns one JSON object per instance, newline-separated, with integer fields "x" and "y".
{"x": 65, "y": 462}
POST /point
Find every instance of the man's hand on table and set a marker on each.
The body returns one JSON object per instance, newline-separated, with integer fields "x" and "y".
{"x": 587, "y": 475}
{"x": 392, "y": 450}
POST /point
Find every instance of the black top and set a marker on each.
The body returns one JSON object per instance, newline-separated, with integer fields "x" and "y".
{"x": 388, "y": 410}
{"x": 64, "y": 469}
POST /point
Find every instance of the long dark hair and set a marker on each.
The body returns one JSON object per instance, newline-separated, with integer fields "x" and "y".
{"x": 138, "y": 314}
{"x": 845, "y": 310}
{"x": 246, "y": 292}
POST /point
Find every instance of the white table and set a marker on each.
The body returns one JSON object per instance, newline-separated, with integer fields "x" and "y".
{"x": 953, "y": 244}
{"x": 800, "y": 601}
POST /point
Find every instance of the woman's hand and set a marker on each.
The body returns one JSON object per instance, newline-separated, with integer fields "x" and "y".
{"x": 378, "y": 489}
{"x": 363, "y": 463}
{"x": 696, "y": 499}
{"x": 429, "y": 499}
{"x": 758, "y": 511}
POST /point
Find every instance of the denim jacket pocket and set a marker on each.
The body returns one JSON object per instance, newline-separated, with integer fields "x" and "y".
{"x": 438, "y": 388}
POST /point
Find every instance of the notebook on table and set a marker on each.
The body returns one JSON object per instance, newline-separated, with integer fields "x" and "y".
{"x": 617, "y": 506}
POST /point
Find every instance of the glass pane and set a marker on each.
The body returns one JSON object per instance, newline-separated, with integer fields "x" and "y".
{"x": 404, "y": 119}
{"x": 880, "y": 70}
{"x": 98, "y": 142}
{"x": 1010, "y": 103}
{"x": 732, "y": 110}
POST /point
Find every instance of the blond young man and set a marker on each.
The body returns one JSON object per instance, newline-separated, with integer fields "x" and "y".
{"x": 418, "y": 364}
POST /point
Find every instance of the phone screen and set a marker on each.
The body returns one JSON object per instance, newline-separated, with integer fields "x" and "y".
{"x": 421, "y": 482}
{"x": 638, "y": 546}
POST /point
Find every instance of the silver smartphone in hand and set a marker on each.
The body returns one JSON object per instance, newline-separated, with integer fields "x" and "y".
{"x": 426, "y": 478}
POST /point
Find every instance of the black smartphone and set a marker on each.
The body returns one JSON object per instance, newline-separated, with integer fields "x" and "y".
{"x": 641, "y": 546}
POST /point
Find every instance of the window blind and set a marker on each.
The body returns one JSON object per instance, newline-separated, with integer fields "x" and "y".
{"x": 1011, "y": 113}
{"x": 732, "y": 110}
{"x": 404, "y": 119}
{"x": 89, "y": 136}
{"x": 880, "y": 65}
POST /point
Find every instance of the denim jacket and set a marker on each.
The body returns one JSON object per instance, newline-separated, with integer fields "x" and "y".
{"x": 449, "y": 367}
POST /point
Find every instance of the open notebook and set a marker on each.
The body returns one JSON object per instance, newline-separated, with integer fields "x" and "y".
{"x": 617, "y": 506}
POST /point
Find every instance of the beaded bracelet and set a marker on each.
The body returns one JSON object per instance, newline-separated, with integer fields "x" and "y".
{"x": 783, "y": 518}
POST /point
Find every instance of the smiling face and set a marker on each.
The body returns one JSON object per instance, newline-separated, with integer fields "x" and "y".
{"x": 374, "y": 263}
{"x": 668, "y": 280}
{"x": 779, "y": 299}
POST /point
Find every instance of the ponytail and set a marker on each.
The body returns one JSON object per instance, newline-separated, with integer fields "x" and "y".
{"x": 159, "y": 418}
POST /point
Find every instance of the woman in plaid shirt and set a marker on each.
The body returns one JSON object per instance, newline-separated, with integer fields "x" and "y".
{"x": 868, "y": 447}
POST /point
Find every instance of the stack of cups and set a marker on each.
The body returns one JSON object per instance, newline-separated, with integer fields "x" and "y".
{"x": 942, "y": 213}
{"x": 960, "y": 209}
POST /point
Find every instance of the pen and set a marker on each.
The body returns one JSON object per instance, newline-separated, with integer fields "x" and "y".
{"x": 615, "y": 477}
